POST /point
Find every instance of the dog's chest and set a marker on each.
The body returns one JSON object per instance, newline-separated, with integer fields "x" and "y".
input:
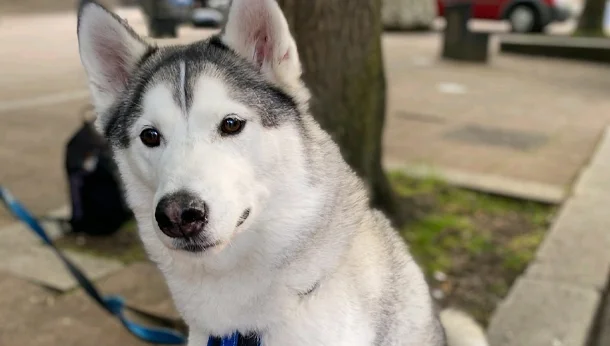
{"x": 323, "y": 320}
{"x": 221, "y": 306}
{"x": 329, "y": 314}
{"x": 279, "y": 315}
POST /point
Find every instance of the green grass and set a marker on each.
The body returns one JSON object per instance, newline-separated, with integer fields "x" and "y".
{"x": 481, "y": 241}
{"x": 521, "y": 249}
{"x": 448, "y": 226}
{"x": 427, "y": 243}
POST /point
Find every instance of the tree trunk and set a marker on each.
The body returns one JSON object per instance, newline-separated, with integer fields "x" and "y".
{"x": 339, "y": 43}
{"x": 591, "y": 22}
{"x": 408, "y": 14}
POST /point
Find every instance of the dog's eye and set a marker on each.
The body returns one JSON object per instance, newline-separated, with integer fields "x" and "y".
{"x": 151, "y": 138}
{"x": 231, "y": 125}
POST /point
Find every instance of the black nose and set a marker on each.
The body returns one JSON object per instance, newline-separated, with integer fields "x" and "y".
{"x": 181, "y": 215}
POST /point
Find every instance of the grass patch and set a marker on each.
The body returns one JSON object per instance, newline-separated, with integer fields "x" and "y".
{"x": 471, "y": 245}
{"x": 124, "y": 245}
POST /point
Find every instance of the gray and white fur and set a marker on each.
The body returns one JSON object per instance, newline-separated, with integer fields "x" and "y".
{"x": 242, "y": 200}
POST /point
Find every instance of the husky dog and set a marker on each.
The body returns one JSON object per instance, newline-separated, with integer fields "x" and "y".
{"x": 242, "y": 200}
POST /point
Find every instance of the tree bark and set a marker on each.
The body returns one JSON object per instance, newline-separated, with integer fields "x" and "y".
{"x": 591, "y": 21}
{"x": 339, "y": 44}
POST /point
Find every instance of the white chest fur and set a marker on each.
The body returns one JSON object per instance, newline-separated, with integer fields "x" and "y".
{"x": 279, "y": 314}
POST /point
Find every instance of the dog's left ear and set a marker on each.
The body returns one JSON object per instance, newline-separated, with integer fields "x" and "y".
{"x": 257, "y": 30}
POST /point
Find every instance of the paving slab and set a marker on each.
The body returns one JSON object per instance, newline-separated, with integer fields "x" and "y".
{"x": 38, "y": 317}
{"x": 540, "y": 313}
{"x": 20, "y": 298}
{"x": 73, "y": 320}
{"x": 485, "y": 135}
{"x": 40, "y": 265}
{"x": 18, "y": 235}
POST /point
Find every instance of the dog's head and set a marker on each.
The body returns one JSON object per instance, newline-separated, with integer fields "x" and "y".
{"x": 204, "y": 134}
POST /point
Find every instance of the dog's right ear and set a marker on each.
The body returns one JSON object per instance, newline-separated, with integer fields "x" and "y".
{"x": 109, "y": 50}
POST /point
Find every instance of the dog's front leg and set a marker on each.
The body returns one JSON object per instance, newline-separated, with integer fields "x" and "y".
{"x": 197, "y": 339}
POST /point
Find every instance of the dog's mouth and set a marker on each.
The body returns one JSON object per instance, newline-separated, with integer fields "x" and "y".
{"x": 197, "y": 245}
{"x": 194, "y": 246}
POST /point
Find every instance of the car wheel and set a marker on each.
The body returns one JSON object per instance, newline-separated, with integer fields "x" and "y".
{"x": 524, "y": 19}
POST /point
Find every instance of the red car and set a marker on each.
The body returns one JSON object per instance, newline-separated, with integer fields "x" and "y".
{"x": 524, "y": 15}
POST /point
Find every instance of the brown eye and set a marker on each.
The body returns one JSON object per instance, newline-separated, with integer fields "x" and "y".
{"x": 151, "y": 138}
{"x": 231, "y": 126}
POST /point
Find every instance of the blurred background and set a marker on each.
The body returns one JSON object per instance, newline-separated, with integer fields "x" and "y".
{"x": 479, "y": 126}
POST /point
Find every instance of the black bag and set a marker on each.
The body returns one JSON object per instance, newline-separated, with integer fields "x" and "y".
{"x": 97, "y": 199}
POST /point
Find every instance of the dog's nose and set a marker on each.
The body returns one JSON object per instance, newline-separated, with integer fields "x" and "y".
{"x": 181, "y": 215}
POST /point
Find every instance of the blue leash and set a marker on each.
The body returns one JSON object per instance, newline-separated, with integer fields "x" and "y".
{"x": 114, "y": 304}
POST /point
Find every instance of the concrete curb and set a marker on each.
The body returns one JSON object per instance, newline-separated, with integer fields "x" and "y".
{"x": 556, "y": 300}
{"x": 545, "y": 193}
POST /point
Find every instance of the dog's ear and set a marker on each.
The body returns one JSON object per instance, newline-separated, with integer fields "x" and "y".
{"x": 257, "y": 30}
{"x": 109, "y": 51}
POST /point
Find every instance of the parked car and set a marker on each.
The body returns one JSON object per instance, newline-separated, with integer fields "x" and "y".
{"x": 524, "y": 16}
